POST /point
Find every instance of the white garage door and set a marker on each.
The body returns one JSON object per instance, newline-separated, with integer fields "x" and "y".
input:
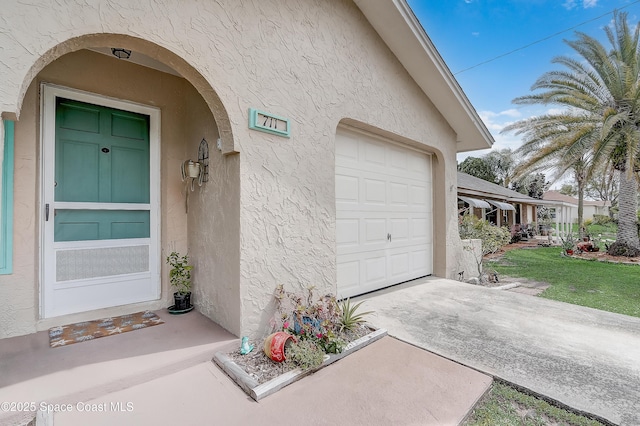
{"x": 383, "y": 213}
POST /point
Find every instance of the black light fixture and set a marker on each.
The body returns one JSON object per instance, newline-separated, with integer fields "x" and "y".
{"x": 121, "y": 53}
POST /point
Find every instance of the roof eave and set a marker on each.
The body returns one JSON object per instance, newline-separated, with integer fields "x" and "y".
{"x": 398, "y": 26}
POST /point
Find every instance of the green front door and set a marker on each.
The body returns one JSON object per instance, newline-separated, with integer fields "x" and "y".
{"x": 100, "y": 234}
{"x": 102, "y": 156}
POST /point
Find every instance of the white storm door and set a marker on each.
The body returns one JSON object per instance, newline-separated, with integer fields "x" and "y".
{"x": 100, "y": 202}
{"x": 383, "y": 213}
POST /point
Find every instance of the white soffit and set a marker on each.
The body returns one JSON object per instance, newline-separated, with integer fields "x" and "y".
{"x": 474, "y": 202}
{"x": 397, "y": 25}
{"x": 501, "y": 205}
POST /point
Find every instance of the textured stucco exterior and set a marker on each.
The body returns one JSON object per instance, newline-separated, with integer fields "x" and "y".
{"x": 267, "y": 215}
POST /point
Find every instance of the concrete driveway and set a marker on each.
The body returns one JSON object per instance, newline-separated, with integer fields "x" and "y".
{"x": 584, "y": 358}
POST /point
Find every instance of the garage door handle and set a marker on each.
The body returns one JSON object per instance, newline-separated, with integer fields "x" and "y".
{"x": 389, "y": 237}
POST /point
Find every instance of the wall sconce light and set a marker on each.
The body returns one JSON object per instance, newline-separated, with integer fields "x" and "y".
{"x": 195, "y": 171}
{"x": 191, "y": 172}
{"x": 121, "y": 53}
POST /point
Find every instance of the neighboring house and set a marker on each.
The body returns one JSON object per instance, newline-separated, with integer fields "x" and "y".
{"x": 497, "y": 204}
{"x": 330, "y": 131}
{"x": 590, "y": 207}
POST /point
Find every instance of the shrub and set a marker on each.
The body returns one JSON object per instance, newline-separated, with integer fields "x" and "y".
{"x": 305, "y": 354}
{"x": 621, "y": 249}
{"x": 180, "y": 273}
{"x": 588, "y": 222}
{"x": 350, "y": 317}
{"x": 493, "y": 237}
{"x": 601, "y": 219}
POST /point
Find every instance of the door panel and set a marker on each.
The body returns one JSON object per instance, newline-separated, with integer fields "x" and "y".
{"x": 126, "y": 168}
{"x": 83, "y": 225}
{"x": 82, "y": 181}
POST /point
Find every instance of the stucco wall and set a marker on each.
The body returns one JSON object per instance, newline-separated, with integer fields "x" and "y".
{"x": 315, "y": 63}
{"x": 335, "y": 67}
{"x": 214, "y": 221}
{"x": 18, "y": 289}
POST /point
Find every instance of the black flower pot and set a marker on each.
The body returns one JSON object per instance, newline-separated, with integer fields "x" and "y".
{"x": 182, "y": 301}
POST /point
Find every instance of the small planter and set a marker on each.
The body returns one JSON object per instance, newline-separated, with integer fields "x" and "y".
{"x": 569, "y": 252}
{"x": 181, "y": 303}
{"x": 595, "y": 249}
{"x": 180, "y": 278}
{"x": 275, "y": 345}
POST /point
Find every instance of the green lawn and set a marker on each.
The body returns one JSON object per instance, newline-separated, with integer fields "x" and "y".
{"x": 600, "y": 285}
{"x": 506, "y": 406}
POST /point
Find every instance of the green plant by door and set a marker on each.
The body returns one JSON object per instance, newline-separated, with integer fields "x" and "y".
{"x": 180, "y": 273}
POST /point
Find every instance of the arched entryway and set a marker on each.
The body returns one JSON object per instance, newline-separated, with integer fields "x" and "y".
{"x": 128, "y": 216}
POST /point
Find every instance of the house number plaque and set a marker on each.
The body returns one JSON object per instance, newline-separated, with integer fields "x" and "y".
{"x": 269, "y": 123}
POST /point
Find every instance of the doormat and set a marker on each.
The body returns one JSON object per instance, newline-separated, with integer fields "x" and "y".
{"x": 88, "y": 330}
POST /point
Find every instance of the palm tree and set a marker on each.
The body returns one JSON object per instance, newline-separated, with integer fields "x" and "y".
{"x": 600, "y": 93}
{"x": 557, "y": 142}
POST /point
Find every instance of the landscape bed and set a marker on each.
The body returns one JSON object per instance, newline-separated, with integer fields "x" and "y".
{"x": 258, "y": 390}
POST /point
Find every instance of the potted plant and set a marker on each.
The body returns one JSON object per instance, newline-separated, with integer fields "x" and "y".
{"x": 180, "y": 278}
{"x": 568, "y": 242}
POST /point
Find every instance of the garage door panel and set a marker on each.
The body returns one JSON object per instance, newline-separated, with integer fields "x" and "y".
{"x": 374, "y": 153}
{"x": 419, "y": 168}
{"x": 349, "y": 274}
{"x": 421, "y": 260}
{"x": 346, "y": 148}
{"x": 375, "y": 270}
{"x": 347, "y": 189}
{"x": 419, "y": 228}
{"x": 398, "y": 159}
{"x": 399, "y": 193}
{"x": 382, "y": 189}
{"x": 347, "y": 233}
{"x": 375, "y": 231}
{"x": 399, "y": 230}
{"x": 420, "y": 195}
{"x": 399, "y": 265}
{"x": 375, "y": 192}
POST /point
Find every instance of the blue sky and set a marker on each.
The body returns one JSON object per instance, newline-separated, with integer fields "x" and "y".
{"x": 469, "y": 32}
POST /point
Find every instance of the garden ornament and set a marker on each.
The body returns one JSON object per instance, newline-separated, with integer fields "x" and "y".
{"x": 245, "y": 347}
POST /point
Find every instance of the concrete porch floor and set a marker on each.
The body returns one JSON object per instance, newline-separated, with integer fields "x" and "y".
{"x": 31, "y": 371}
{"x": 163, "y": 375}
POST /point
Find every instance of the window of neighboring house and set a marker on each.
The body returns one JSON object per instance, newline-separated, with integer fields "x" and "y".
{"x": 6, "y": 199}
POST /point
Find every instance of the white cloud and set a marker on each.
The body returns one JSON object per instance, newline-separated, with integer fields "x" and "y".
{"x": 495, "y": 122}
{"x": 475, "y": 33}
{"x": 586, "y": 4}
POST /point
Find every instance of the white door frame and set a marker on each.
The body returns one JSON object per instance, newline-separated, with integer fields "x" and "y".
{"x": 49, "y": 93}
